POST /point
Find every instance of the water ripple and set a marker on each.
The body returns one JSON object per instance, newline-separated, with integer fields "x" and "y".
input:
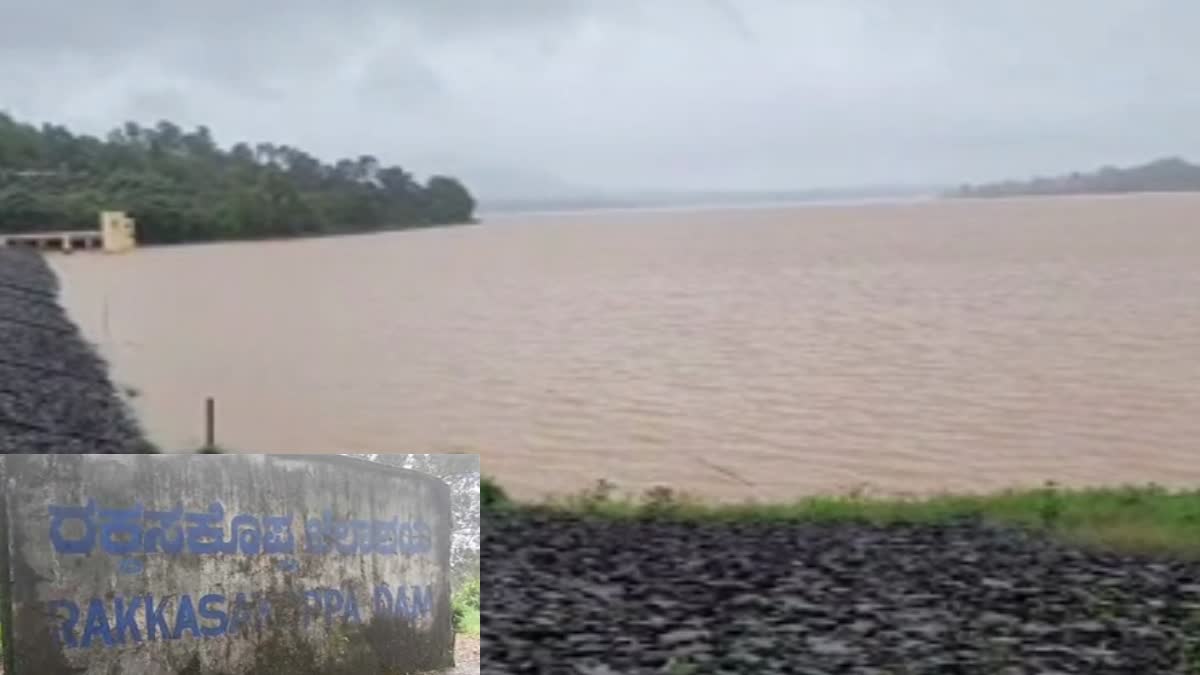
{"x": 957, "y": 345}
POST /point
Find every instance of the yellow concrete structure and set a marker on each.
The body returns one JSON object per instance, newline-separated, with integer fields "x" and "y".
{"x": 117, "y": 234}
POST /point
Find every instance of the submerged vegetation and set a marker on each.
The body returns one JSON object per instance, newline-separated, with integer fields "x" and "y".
{"x": 182, "y": 186}
{"x": 1131, "y": 519}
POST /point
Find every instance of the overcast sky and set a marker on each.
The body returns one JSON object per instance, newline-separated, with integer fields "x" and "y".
{"x": 524, "y": 95}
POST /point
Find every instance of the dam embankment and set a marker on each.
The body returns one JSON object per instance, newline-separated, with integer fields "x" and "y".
{"x": 55, "y": 391}
{"x": 571, "y": 593}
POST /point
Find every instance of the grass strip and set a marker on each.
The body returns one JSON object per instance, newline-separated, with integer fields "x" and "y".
{"x": 1130, "y": 519}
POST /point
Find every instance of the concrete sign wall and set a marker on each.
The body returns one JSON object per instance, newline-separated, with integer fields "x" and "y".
{"x": 224, "y": 564}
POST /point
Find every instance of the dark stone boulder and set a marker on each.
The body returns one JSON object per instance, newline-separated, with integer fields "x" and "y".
{"x": 570, "y": 594}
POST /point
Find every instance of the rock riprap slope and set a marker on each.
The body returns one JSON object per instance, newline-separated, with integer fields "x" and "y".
{"x": 55, "y": 394}
{"x": 566, "y": 594}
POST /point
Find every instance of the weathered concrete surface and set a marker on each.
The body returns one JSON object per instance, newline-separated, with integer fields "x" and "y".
{"x": 314, "y": 564}
{"x": 55, "y": 395}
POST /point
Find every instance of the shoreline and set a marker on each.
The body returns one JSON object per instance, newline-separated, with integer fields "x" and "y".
{"x": 1135, "y": 519}
{"x": 911, "y": 200}
{"x": 303, "y": 237}
{"x": 483, "y": 217}
{"x": 55, "y": 391}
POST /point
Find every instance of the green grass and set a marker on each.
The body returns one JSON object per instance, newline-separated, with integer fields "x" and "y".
{"x": 470, "y": 623}
{"x": 491, "y": 494}
{"x": 465, "y": 602}
{"x": 1133, "y": 519}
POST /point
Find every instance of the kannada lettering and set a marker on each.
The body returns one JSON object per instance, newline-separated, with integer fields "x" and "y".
{"x": 129, "y": 531}
{"x": 120, "y": 620}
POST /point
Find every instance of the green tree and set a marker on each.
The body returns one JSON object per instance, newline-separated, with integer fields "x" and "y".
{"x": 183, "y": 186}
{"x": 449, "y": 201}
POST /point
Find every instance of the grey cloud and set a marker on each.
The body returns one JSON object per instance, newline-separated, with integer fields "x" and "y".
{"x": 632, "y": 94}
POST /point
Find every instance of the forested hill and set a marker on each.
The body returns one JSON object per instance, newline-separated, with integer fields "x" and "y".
{"x": 1164, "y": 175}
{"x": 181, "y": 186}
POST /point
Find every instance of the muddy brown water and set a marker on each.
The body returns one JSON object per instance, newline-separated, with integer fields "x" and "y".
{"x": 768, "y": 352}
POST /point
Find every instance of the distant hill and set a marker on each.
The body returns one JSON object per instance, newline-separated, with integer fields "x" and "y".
{"x": 1171, "y": 174}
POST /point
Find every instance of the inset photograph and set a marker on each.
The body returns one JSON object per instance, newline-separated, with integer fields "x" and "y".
{"x": 239, "y": 564}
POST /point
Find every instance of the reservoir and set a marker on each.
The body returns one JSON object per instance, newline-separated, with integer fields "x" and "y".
{"x": 767, "y": 352}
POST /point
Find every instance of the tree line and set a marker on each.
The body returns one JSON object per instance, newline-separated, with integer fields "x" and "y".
{"x": 182, "y": 186}
{"x": 1171, "y": 174}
